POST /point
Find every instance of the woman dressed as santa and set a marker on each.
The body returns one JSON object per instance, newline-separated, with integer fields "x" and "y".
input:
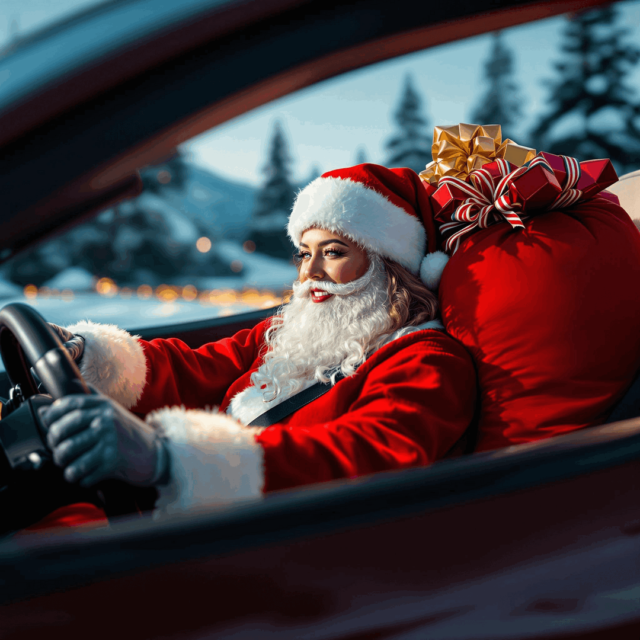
{"x": 361, "y": 326}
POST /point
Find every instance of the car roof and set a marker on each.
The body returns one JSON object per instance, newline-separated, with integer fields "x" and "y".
{"x": 87, "y": 102}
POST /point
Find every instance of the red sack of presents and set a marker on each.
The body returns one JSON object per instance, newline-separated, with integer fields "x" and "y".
{"x": 542, "y": 289}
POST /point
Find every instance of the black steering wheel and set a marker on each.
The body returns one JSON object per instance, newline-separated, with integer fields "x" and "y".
{"x": 26, "y": 340}
{"x": 31, "y": 486}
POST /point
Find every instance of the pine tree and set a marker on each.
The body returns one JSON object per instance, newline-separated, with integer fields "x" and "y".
{"x": 500, "y": 104}
{"x": 126, "y": 239}
{"x": 274, "y": 201}
{"x": 411, "y": 146}
{"x": 594, "y": 113}
{"x": 40, "y": 263}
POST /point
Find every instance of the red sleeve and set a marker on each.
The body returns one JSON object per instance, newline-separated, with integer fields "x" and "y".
{"x": 196, "y": 378}
{"x": 414, "y": 406}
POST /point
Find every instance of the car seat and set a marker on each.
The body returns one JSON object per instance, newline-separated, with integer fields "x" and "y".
{"x": 628, "y": 191}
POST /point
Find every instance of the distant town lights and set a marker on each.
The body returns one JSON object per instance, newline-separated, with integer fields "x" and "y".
{"x": 203, "y": 244}
{"x": 167, "y": 293}
{"x": 189, "y": 293}
{"x": 106, "y": 287}
{"x": 144, "y": 291}
{"x": 31, "y": 291}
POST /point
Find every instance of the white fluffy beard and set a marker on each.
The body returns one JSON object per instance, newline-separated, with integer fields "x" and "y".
{"x": 310, "y": 341}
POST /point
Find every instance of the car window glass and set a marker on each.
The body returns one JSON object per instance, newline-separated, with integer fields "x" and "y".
{"x": 207, "y": 238}
{"x": 21, "y": 18}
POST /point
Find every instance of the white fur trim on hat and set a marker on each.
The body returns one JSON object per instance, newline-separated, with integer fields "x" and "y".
{"x": 432, "y": 267}
{"x": 113, "y": 361}
{"x": 362, "y": 214}
{"x": 213, "y": 459}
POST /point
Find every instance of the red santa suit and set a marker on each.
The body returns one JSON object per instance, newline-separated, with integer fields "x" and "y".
{"x": 407, "y": 405}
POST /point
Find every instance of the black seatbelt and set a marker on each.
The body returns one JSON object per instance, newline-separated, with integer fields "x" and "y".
{"x": 297, "y": 401}
{"x": 291, "y": 405}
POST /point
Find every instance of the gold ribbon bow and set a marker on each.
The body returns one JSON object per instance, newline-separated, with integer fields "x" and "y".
{"x": 460, "y": 149}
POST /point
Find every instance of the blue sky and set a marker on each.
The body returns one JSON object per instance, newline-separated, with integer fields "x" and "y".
{"x": 327, "y": 123}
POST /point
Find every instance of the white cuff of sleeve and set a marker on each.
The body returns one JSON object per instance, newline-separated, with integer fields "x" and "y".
{"x": 212, "y": 460}
{"x": 113, "y": 361}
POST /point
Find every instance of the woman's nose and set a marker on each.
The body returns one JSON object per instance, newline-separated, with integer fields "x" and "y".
{"x": 314, "y": 269}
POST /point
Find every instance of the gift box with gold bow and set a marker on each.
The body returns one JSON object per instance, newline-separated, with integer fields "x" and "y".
{"x": 541, "y": 290}
{"x": 463, "y": 148}
{"x": 476, "y": 180}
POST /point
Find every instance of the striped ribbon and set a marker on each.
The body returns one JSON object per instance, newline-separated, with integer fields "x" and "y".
{"x": 489, "y": 199}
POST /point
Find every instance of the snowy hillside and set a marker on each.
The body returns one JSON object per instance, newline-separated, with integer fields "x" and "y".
{"x": 258, "y": 270}
{"x": 221, "y": 206}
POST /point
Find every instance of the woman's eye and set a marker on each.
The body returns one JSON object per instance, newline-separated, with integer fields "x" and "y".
{"x": 303, "y": 255}
{"x": 334, "y": 252}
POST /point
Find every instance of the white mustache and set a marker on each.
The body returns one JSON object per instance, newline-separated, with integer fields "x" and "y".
{"x": 303, "y": 289}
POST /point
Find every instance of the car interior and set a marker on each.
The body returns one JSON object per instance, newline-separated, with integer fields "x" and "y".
{"x": 86, "y": 124}
{"x": 172, "y": 69}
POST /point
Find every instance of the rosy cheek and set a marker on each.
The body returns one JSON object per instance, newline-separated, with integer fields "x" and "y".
{"x": 336, "y": 272}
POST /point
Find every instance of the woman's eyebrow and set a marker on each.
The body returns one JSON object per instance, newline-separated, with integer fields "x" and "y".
{"x": 322, "y": 244}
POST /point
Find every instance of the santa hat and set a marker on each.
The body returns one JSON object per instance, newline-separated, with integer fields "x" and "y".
{"x": 386, "y": 211}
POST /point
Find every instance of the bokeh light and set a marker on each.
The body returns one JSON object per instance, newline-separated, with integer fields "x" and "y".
{"x": 144, "y": 291}
{"x": 106, "y": 287}
{"x": 167, "y": 293}
{"x": 189, "y": 293}
{"x": 164, "y": 177}
{"x": 203, "y": 245}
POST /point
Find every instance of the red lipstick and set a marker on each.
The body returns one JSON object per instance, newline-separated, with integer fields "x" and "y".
{"x": 317, "y": 295}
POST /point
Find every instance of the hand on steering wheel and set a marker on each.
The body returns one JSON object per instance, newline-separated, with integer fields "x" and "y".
{"x": 72, "y": 343}
{"x": 26, "y": 342}
{"x": 94, "y": 438}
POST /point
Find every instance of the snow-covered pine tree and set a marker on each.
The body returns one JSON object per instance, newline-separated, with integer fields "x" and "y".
{"x": 136, "y": 235}
{"x": 594, "y": 112}
{"x": 500, "y": 103}
{"x": 411, "y": 145}
{"x": 40, "y": 263}
{"x": 274, "y": 201}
